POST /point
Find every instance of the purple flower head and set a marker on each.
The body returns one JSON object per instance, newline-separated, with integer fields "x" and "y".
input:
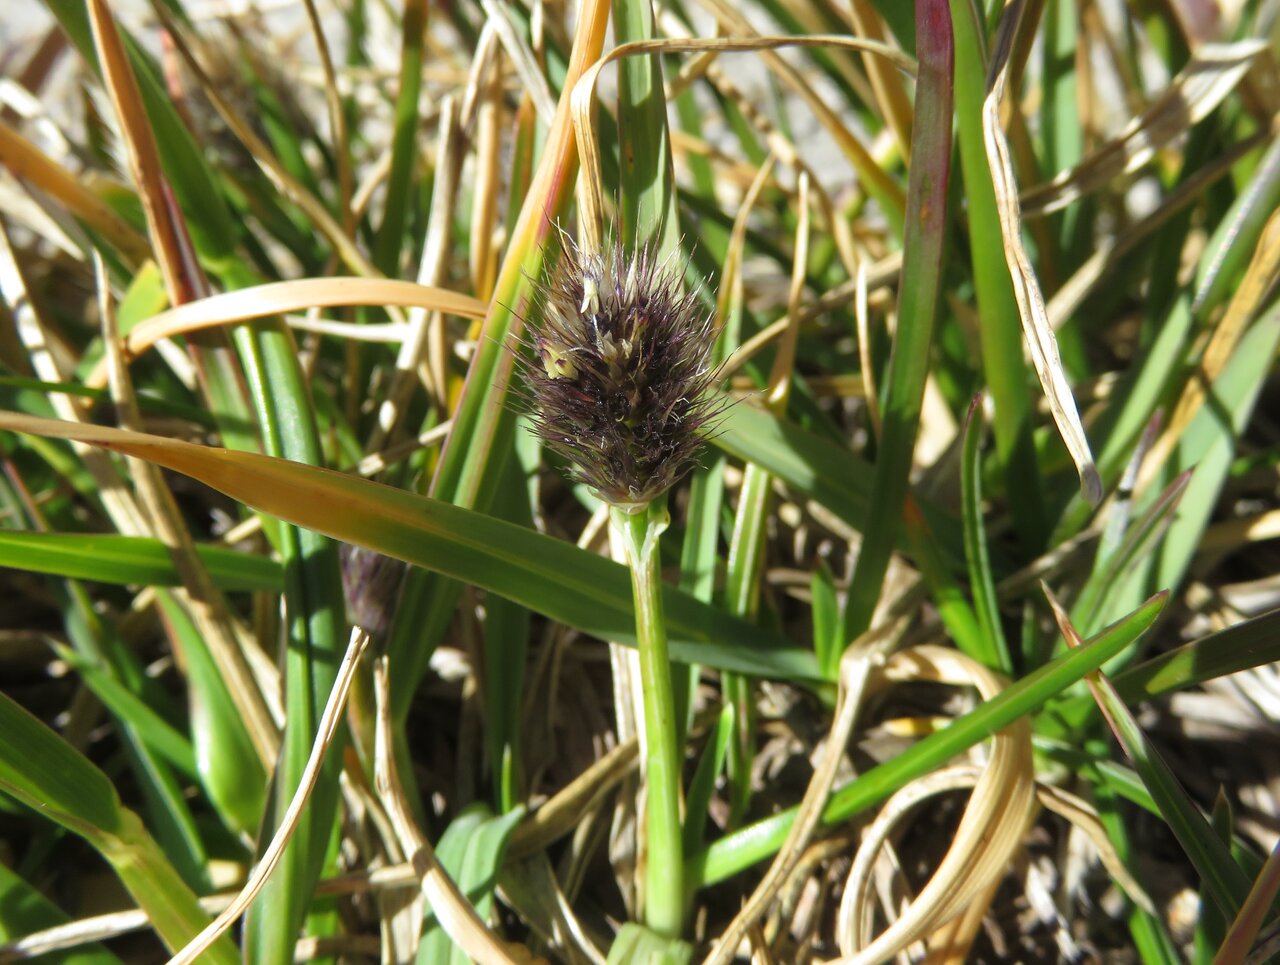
{"x": 621, "y": 380}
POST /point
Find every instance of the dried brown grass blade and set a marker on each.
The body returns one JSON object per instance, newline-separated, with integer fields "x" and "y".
{"x": 183, "y": 278}
{"x": 1031, "y": 307}
{"x": 329, "y": 723}
{"x": 29, "y": 164}
{"x": 1214, "y": 72}
{"x": 276, "y": 298}
{"x": 890, "y": 91}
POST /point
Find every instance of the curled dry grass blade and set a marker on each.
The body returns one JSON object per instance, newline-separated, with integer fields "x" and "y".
{"x": 274, "y": 298}
{"x": 990, "y": 832}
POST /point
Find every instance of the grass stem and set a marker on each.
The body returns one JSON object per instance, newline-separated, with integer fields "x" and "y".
{"x": 638, "y": 533}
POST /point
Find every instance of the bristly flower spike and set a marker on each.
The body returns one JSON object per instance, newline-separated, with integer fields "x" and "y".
{"x": 621, "y": 379}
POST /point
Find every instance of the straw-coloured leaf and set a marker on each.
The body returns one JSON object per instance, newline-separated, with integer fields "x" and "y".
{"x": 1035, "y": 320}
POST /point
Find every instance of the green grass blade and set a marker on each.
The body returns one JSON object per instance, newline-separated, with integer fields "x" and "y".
{"x": 816, "y": 467}
{"x": 1209, "y": 445}
{"x": 482, "y": 422}
{"x": 161, "y": 736}
{"x": 918, "y": 292}
{"x": 404, "y": 140}
{"x": 646, "y": 182}
{"x": 315, "y": 627}
{"x": 981, "y": 579}
{"x": 1226, "y": 882}
{"x": 1252, "y": 643}
{"x": 953, "y": 605}
{"x": 228, "y": 764}
{"x": 124, "y": 560}
{"x": 471, "y": 850}
{"x": 45, "y": 773}
{"x": 703, "y": 785}
{"x": 999, "y": 324}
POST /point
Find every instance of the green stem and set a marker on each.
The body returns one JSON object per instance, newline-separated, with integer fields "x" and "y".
{"x": 638, "y": 534}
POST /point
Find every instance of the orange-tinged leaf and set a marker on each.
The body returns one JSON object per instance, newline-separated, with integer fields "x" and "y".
{"x": 547, "y": 575}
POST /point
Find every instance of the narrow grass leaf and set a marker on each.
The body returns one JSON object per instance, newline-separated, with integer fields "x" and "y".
{"x": 1208, "y": 446}
{"x": 131, "y": 560}
{"x": 159, "y": 735}
{"x": 28, "y": 163}
{"x": 471, "y": 851}
{"x": 954, "y": 609}
{"x": 45, "y": 773}
{"x": 226, "y": 760}
{"x": 482, "y": 421}
{"x": 1226, "y": 882}
{"x": 918, "y": 293}
{"x": 1252, "y": 643}
{"x": 404, "y": 139}
{"x": 703, "y": 785}
{"x": 981, "y": 579}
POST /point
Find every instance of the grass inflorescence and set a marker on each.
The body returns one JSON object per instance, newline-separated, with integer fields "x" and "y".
{"x": 622, "y": 382}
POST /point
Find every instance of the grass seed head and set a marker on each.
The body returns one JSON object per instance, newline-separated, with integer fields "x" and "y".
{"x": 620, "y": 380}
{"x": 370, "y": 582}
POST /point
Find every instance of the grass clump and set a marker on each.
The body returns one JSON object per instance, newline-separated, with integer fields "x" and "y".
{"x": 912, "y": 360}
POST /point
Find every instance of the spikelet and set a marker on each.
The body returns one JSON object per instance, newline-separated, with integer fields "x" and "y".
{"x": 620, "y": 380}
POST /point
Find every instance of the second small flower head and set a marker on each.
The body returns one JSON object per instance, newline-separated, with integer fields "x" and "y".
{"x": 621, "y": 379}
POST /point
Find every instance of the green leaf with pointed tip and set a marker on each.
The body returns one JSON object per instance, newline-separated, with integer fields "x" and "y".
{"x": 1225, "y": 881}
{"x": 226, "y": 760}
{"x": 49, "y": 776}
{"x": 159, "y": 735}
{"x": 42, "y": 770}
